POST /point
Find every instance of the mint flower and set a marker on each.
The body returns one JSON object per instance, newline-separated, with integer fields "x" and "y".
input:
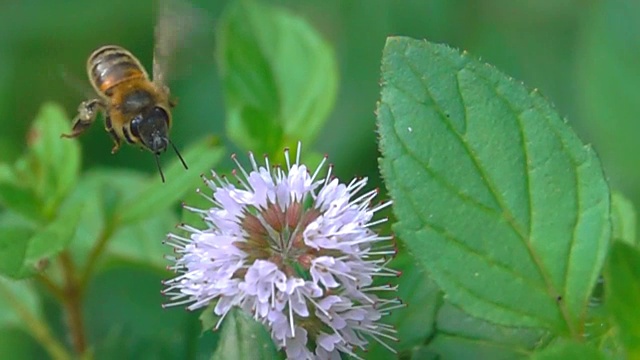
{"x": 296, "y": 251}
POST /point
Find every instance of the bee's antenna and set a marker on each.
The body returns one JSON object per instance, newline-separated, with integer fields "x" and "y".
{"x": 178, "y": 153}
{"x": 159, "y": 168}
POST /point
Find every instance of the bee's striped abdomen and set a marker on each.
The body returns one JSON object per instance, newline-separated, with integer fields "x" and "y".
{"x": 111, "y": 65}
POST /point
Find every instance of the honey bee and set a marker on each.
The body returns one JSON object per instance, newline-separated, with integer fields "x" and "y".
{"x": 136, "y": 109}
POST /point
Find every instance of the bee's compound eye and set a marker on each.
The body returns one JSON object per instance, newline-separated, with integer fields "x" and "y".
{"x": 160, "y": 113}
{"x": 135, "y": 125}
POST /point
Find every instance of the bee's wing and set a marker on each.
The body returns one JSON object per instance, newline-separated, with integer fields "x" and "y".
{"x": 180, "y": 27}
{"x": 74, "y": 82}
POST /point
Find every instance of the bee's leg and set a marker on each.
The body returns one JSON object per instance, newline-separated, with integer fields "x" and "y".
{"x": 173, "y": 102}
{"x": 87, "y": 113}
{"x": 114, "y": 136}
{"x": 116, "y": 143}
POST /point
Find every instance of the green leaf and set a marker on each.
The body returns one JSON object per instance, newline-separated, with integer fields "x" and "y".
{"x": 460, "y": 336}
{"x": 157, "y": 197}
{"x": 54, "y": 237}
{"x": 208, "y": 319}
{"x": 37, "y": 183}
{"x": 623, "y": 219}
{"x": 141, "y": 242}
{"x": 25, "y": 247}
{"x": 14, "y": 242}
{"x": 104, "y": 190}
{"x": 22, "y": 200}
{"x": 244, "y": 338}
{"x": 569, "y": 350}
{"x": 622, "y": 279}
{"x": 54, "y": 161}
{"x": 493, "y": 192}
{"x": 279, "y": 77}
{"x": 600, "y": 329}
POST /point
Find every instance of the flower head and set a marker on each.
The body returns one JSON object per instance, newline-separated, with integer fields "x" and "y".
{"x": 296, "y": 251}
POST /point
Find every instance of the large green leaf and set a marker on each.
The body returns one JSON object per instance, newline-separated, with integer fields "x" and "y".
{"x": 279, "y": 76}
{"x": 244, "y": 338}
{"x": 493, "y": 192}
{"x": 622, "y": 278}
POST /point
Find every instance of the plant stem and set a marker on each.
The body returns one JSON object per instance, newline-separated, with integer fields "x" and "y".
{"x": 72, "y": 302}
{"x": 38, "y": 329}
{"x": 53, "y": 288}
{"x": 96, "y": 251}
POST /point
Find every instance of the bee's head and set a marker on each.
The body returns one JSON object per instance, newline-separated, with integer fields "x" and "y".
{"x": 152, "y": 128}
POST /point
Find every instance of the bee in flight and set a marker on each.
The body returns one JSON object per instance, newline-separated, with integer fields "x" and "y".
{"x": 135, "y": 108}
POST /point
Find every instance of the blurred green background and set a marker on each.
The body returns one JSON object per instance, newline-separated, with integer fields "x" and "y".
{"x": 584, "y": 55}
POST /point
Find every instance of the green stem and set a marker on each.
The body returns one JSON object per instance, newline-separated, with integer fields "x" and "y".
{"x": 53, "y": 288}
{"x": 72, "y": 302}
{"x": 96, "y": 251}
{"x": 38, "y": 329}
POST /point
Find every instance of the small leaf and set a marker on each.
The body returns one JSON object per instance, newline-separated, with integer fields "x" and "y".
{"x": 569, "y": 350}
{"x": 460, "y": 336}
{"x": 622, "y": 279}
{"x": 279, "y": 77}
{"x": 37, "y": 183}
{"x": 600, "y": 329}
{"x": 53, "y": 238}
{"x": 208, "y": 319}
{"x": 24, "y": 245}
{"x": 244, "y": 338}
{"x": 139, "y": 242}
{"x": 493, "y": 192}
{"x": 14, "y": 242}
{"x": 22, "y": 200}
{"x": 623, "y": 219}
{"x": 157, "y": 197}
{"x": 55, "y": 161}
{"x": 103, "y": 191}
